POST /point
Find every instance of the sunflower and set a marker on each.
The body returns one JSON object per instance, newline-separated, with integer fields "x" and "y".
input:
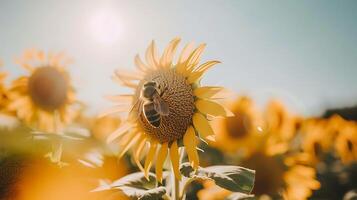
{"x": 346, "y": 142}
{"x": 7, "y": 119}
{"x": 277, "y": 169}
{"x": 317, "y": 140}
{"x": 280, "y": 121}
{"x": 300, "y": 182}
{"x": 103, "y": 126}
{"x": 274, "y": 178}
{"x": 39, "y": 180}
{"x": 212, "y": 192}
{"x": 43, "y": 99}
{"x": 280, "y": 127}
{"x": 239, "y": 132}
{"x": 3, "y": 90}
{"x": 188, "y": 107}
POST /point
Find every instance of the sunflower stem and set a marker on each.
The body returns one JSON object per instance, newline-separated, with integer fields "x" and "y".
{"x": 175, "y": 190}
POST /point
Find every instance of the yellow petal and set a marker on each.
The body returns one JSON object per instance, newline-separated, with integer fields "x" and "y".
{"x": 128, "y": 144}
{"x": 194, "y": 58}
{"x": 202, "y": 125}
{"x": 150, "y": 157}
{"x": 197, "y": 74}
{"x": 20, "y": 82}
{"x": 28, "y": 67}
{"x": 126, "y": 83}
{"x": 120, "y": 98}
{"x": 186, "y": 52}
{"x": 119, "y": 132}
{"x": 128, "y": 75}
{"x": 57, "y": 58}
{"x": 160, "y": 161}
{"x": 189, "y": 140}
{"x": 115, "y": 109}
{"x": 194, "y": 77}
{"x": 167, "y": 56}
{"x": 152, "y": 57}
{"x": 18, "y": 103}
{"x": 277, "y": 148}
{"x": 140, "y": 64}
{"x": 137, "y": 151}
{"x": 175, "y": 160}
{"x": 207, "y": 92}
{"x": 40, "y": 56}
{"x": 205, "y": 66}
{"x": 211, "y": 108}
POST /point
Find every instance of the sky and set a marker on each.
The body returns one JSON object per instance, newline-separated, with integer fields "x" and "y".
{"x": 303, "y": 53}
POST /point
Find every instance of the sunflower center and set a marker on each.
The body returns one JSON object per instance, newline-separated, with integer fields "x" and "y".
{"x": 48, "y": 88}
{"x": 269, "y": 173}
{"x": 317, "y": 149}
{"x": 280, "y": 119}
{"x": 178, "y": 96}
{"x": 239, "y": 125}
{"x": 349, "y": 145}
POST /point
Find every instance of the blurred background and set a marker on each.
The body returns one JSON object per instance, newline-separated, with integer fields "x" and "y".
{"x": 291, "y": 65}
{"x": 303, "y": 52}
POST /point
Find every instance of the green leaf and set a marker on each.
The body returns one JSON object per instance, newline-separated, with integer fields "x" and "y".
{"x": 136, "y": 180}
{"x": 153, "y": 194}
{"x": 135, "y": 186}
{"x": 240, "y": 196}
{"x": 233, "y": 178}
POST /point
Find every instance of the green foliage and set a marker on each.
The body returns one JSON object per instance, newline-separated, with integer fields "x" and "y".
{"x": 136, "y": 186}
{"x": 240, "y": 196}
{"x": 233, "y": 178}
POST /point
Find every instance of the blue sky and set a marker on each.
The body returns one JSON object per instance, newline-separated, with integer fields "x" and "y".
{"x": 302, "y": 52}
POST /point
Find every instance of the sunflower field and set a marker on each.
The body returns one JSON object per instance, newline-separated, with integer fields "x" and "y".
{"x": 186, "y": 120}
{"x": 171, "y": 138}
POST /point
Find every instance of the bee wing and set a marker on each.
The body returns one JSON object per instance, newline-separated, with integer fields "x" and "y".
{"x": 161, "y": 106}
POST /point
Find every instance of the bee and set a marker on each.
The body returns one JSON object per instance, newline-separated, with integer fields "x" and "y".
{"x": 151, "y": 103}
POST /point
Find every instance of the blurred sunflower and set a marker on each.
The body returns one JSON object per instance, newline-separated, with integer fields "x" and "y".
{"x": 3, "y": 90}
{"x": 300, "y": 182}
{"x": 7, "y": 119}
{"x": 102, "y": 127}
{"x": 280, "y": 121}
{"x": 316, "y": 139}
{"x": 212, "y": 192}
{"x": 346, "y": 142}
{"x": 43, "y": 98}
{"x": 280, "y": 127}
{"x": 184, "y": 107}
{"x": 40, "y": 180}
{"x": 238, "y": 132}
{"x": 275, "y": 176}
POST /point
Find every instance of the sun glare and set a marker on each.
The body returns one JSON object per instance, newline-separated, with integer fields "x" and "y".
{"x": 105, "y": 27}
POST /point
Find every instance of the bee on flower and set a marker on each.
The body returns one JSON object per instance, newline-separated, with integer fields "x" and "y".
{"x": 168, "y": 108}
